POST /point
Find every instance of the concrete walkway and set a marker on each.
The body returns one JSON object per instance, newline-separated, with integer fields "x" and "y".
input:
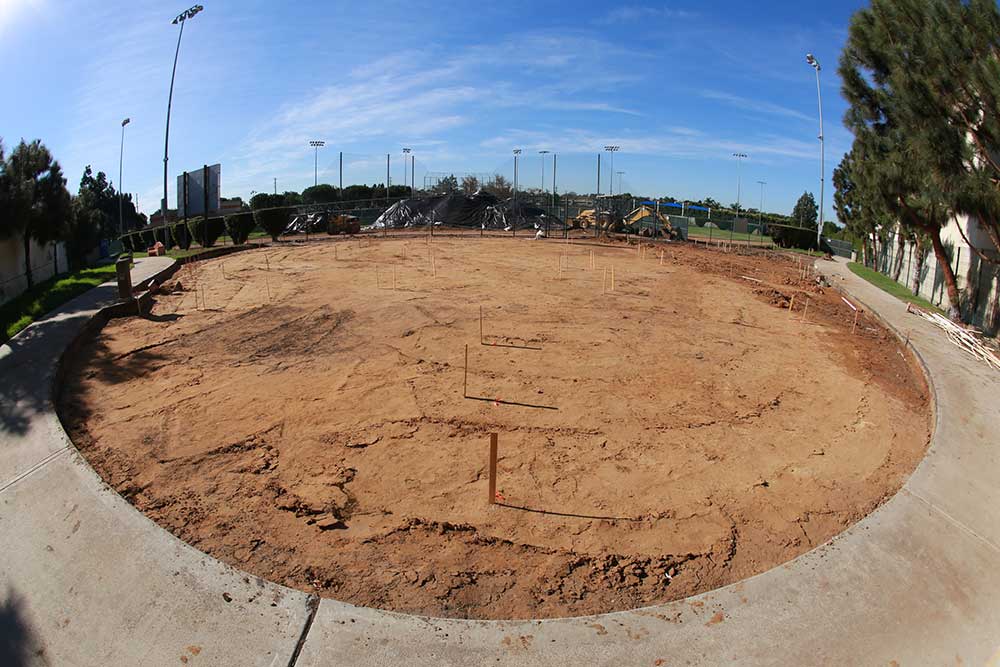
{"x": 90, "y": 581}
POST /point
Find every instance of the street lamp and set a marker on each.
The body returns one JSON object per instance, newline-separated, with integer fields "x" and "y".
{"x": 180, "y": 18}
{"x": 811, "y": 59}
{"x": 316, "y": 146}
{"x": 611, "y": 170}
{"x": 760, "y": 211}
{"x": 121, "y": 156}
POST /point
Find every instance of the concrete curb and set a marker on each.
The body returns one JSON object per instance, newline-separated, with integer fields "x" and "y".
{"x": 92, "y": 581}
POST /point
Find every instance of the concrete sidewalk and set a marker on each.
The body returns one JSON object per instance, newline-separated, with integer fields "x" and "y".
{"x": 85, "y": 579}
{"x": 90, "y": 581}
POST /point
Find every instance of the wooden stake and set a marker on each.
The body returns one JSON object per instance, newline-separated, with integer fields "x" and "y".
{"x": 378, "y": 280}
{"x": 493, "y": 468}
{"x": 465, "y": 383}
{"x": 612, "y": 278}
{"x": 791, "y": 306}
{"x": 604, "y": 283}
{"x": 480, "y": 324}
{"x": 267, "y": 262}
{"x": 856, "y": 323}
{"x": 267, "y": 286}
{"x": 805, "y": 312}
{"x": 434, "y": 266}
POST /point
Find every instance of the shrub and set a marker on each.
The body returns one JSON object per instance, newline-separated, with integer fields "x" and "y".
{"x": 239, "y": 226}
{"x": 272, "y": 220}
{"x": 206, "y": 233}
{"x": 148, "y": 240}
{"x": 182, "y": 237}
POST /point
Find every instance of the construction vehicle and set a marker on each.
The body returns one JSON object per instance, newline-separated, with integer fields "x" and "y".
{"x": 341, "y": 223}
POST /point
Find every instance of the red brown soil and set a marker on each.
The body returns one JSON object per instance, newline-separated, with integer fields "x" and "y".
{"x": 679, "y": 434}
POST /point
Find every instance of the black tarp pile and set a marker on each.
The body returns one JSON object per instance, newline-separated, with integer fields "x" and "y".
{"x": 481, "y": 210}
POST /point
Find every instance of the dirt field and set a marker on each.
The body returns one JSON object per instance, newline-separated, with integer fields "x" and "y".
{"x": 285, "y": 413}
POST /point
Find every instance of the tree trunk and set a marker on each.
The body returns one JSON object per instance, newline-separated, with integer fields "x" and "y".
{"x": 954, "y": 311}
{"x": 900, "y": 251}
{"x": 55, "y": 258}
{"x": 27, "y": 259}
{"x": 917, "y": 276}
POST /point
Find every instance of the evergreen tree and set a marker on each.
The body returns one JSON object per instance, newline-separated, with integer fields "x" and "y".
{"x": 35, "y": 203}
{"x": 888, "y": 43}
{"x": 806, "y": 212}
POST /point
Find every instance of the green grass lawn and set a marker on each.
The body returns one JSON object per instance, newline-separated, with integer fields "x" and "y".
{"x": 724, "y": 235}
{"x": 22, "y": 310}
{"x": 887, "y": 284}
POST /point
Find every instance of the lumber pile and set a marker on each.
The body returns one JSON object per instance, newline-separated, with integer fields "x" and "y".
{"x": 958, "y": 335}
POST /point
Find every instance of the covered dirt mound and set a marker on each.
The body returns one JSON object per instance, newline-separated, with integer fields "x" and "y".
{"x": 307, "y": 423}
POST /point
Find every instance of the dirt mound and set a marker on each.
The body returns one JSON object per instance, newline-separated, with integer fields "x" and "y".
{"x": 295, "y": 416}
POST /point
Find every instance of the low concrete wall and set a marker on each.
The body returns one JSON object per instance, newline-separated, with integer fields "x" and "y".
{"x": 44, "y": 259}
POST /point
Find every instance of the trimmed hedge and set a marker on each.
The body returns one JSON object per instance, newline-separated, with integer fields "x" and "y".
{"x": 272, "y": 220}
{"x": 239, "y": 226}
{"x": 182, "y": 237}
{"x": 204, "y": 233}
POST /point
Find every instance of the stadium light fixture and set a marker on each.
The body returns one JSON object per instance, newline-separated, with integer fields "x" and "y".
{"x": 811, "y": 59}
{"x": 542, "y": 158}
{"x": 760, "y": 211}
{"x": 181, "y": 18}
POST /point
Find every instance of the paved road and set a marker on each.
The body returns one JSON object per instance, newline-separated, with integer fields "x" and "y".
{"x": 90, "y": 581}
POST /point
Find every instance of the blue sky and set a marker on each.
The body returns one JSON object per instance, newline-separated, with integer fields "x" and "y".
{"x": 678, "y": 86}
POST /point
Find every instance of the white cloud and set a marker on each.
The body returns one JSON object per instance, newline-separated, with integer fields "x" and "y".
{"x": 632, "y": 14}
{"x": 755, "y": 106}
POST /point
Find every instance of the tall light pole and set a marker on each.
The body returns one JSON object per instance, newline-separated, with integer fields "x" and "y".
{"x": 760, "y": 211}
{"x": 611, "y": 169}
{"x": 316, "y": 146}
{"x": 811, "y": 59}
{"x": 543, "y": 154}
{"x": 619, "y": 174}
{"x": 121, "y": 157}
{"x": 513, "y": 225}
{"x": 739, "y": 158}
{"x": 407, "y": 151}
{"x": 180, "y": 18}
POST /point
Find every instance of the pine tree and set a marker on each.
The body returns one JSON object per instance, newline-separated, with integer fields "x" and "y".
{"x": 806, "y": 212}
{"x": 889, "y": 43}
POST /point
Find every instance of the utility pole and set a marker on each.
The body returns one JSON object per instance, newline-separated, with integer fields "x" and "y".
{"x": 316, "y": 146}
{"x": 822, "y": 149}
{"x": 182, "y": 19}
{"x": 275, "y": 185}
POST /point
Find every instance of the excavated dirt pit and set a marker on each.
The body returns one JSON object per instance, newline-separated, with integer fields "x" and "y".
{"x": 286, "y": 413}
